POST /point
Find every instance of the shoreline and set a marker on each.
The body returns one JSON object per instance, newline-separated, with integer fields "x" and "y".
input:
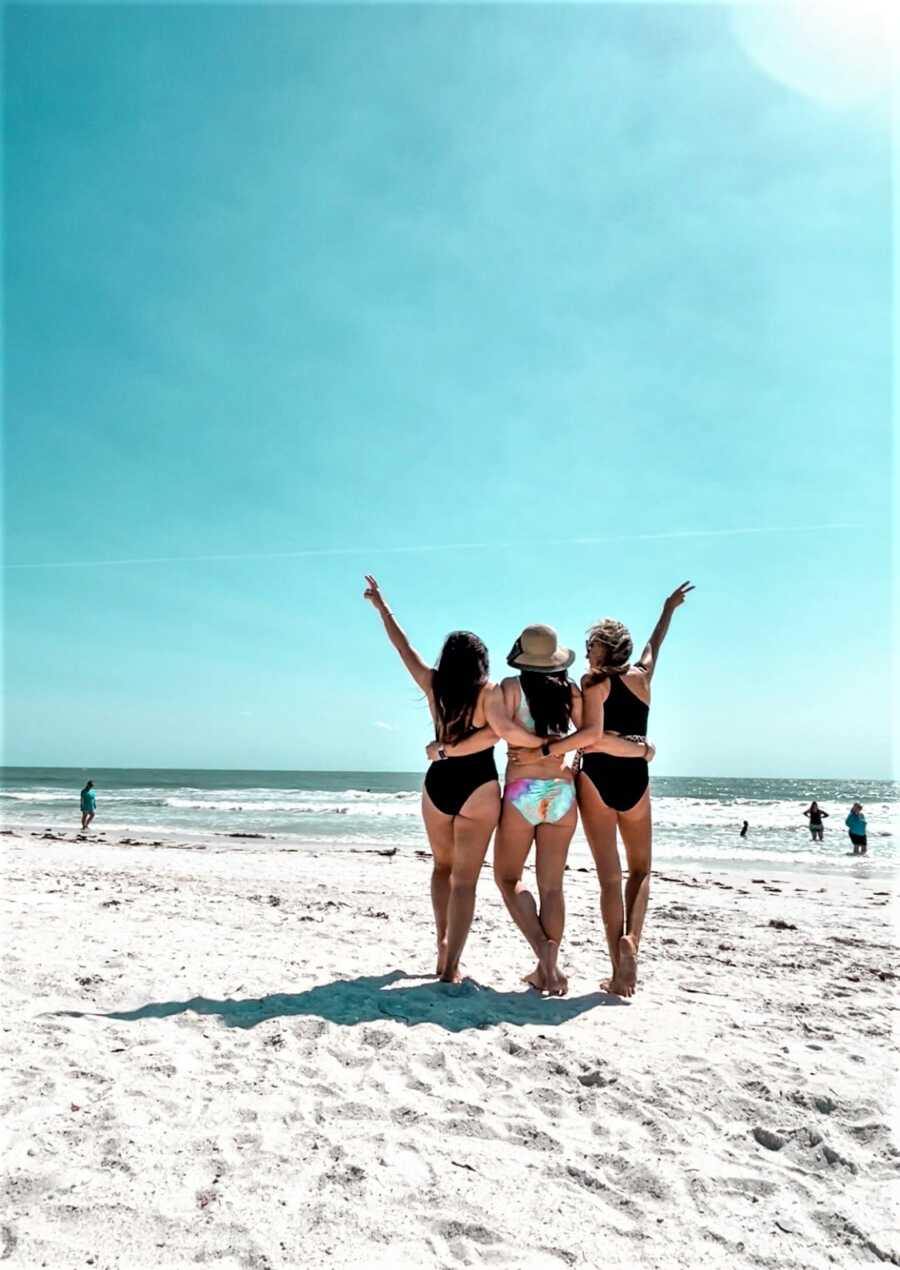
{"x": 242, "y": 1056}
{"x": 872, "y": 866}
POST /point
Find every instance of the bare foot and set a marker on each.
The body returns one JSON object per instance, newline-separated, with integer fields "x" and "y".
{"x": 442, "y": 958}
{"x": 555, "y": 983}
{"x": 536, "y": 978}
{"x": 627, "y": 971}
{"x": 615, "y": 986}
{"x": 560, "y": 986}
{"x": 451, "y": 975}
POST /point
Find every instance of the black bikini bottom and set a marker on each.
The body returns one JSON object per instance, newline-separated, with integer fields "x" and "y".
{"x": 620, "y": 782}
{"x": 450, "y": 781}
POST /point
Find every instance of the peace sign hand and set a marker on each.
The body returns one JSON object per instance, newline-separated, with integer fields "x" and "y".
{"x": 373, "y": 594}
{"x": 678, "y": 596}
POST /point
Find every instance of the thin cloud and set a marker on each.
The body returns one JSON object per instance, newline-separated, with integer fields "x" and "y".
{"x": 421, "y": 548}
{"x": 380, "y": 724}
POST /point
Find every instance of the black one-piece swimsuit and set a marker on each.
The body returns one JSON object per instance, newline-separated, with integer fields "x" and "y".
{"x": 450, "y": 781}
{"x": 620, "y": 782}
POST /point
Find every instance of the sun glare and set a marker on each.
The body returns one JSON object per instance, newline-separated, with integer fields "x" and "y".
{"x": 838, "y": 51}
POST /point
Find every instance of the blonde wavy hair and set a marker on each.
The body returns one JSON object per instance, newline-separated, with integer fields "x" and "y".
{"x": 616, "y": 640}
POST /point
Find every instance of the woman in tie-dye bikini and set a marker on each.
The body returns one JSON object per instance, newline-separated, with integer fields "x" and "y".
{"x": 539, "y": 796}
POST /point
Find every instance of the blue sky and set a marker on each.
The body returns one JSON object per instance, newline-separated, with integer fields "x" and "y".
{"x": 360, "y": 282}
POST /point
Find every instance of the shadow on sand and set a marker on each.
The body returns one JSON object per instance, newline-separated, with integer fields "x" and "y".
{"x": 454, "y": 1007}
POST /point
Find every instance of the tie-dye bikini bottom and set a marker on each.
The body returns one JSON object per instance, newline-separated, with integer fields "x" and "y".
{"x": 540, "y": 802}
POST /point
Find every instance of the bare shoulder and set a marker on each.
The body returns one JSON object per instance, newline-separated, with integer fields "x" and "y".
{"x": 637, "y": 678}
{"x": 596, "y": 689}
{"x": 487, "y": 689}
{"x": 479, "y": 713}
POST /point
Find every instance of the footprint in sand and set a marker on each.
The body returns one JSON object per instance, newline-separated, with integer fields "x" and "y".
{"x": 589, "y": 1181}
{"x": 355, "y": 1111}
{"x": 452, "y": 1230}
{"x": 597, "y": 1078}
{"x": 9, "y": 1242}
{"x": 528, "y": 1136}
{"x": 468, "y": 1129}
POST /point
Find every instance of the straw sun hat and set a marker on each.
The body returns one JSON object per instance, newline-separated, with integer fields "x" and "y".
{"x": 538, "y": 648}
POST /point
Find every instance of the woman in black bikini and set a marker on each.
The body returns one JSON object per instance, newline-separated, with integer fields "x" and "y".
{"x": 614, "y": 793}
{"x": 461, "y": 795}
{"x": 816, "y": 828}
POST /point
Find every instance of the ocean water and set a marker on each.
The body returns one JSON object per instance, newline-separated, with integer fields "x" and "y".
{"x": 696, "y": 820}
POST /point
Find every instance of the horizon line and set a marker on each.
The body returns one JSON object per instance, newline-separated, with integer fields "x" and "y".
{"x": 381, "y": 771}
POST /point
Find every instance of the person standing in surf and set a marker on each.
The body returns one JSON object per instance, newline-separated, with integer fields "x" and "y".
{"x": 614, "y": 792}
{"x": 815, "y": 815}
{"x": 461, "y": 793}
{"x": 856, "y": 827}
{"x": 88, "y": 804}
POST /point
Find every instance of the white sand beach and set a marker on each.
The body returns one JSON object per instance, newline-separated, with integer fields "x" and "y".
{"x": 236, "y": 1058}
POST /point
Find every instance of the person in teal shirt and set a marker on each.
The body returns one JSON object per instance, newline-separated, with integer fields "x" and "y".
{"x": 88, "y": 804}
{"x": 856, "y": 826}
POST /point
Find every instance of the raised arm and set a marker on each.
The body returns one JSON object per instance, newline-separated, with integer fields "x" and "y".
{"x": 650, "y": 655}
{"x": 590, "y": 736}
{"x": 395, "y": 633}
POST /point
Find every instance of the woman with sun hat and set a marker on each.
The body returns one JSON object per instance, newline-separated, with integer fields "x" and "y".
{"x": 539, "y": 794}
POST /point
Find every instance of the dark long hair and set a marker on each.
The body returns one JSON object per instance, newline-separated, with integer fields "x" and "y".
{"x": 549, "y": 699}
{"x": 461, "y": 673}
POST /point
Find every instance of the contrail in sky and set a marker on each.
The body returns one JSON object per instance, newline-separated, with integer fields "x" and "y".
{"x": 372, "y": 552}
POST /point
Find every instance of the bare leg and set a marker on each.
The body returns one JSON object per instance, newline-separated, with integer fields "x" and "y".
{"x": 472, "y": 830}
{"x": 552, "y": 849}
{"x": 511, "y": 846}
{"x": 636, "y": 828}
{"x": 600, "y": 829}
{"x": 440, "y": 838}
